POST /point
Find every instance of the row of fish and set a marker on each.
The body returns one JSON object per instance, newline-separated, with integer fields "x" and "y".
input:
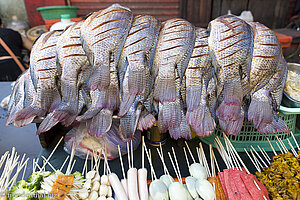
{"x": 143, "y": 70}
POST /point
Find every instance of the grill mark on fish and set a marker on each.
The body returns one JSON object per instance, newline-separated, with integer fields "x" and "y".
{"x": 75, "y": 37}
{"x": 107, "y": 22}
{"x": 175, "y": 26}
{"x": 199, "y": 46}
{"x": 176, "y": 31}
{"x": 233, "y": 44}
{"x": 136, "y": 41}
{"x": 179, "y": 38}
{"x": 40, "y": 70}
{"x": 71, "y": 45}
{"x": 232, "y": 28}
{"x": 104, "y": 38}
{"x": 228, "y": 65}
{"x": 48, "y": 46}
{"x": 45, "y": 77}
{"x": 273, "y": 45}
{"x": 268, "y": 35}
{"x": 48, "y": 36}
{"x": 76, "y": 28}
{"x": 48, "y": 58}
{"x": 198, "y": 56}
{"x": 140, "y": 24}
{"x": 194, "y": 67}
{"x": 173, "y": 47}
{"x": 178, "y": 20}
{"x": 231, "y": 54}
{"x": 110, "y": 12}
{"x": 135, "y": 52}
{"x": 234, "y": 21}
{"x": 138, "y": 31}
{"x": 74, "y": 55}
{"x": 232, "y": 36}
{"x": 108, "y": 30}
{"x": 268, "y": 57}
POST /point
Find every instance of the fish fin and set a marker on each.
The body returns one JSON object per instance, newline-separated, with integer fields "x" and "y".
{"x": 193, "y": 97}
{"x": 231, "y": 105}
{"x": 50, "y": 99}
{"x": 100, "y": 78}
{"x": 137, "y": 79}
{"x": 202, "y": 122}
{"x": 128, "y": 125}
{"x": 183, "y": 131}
{"x": 110, "y": 98}
{"x": 171, "y": 114}
{"x": 232, "y": 127}
{"x": 277, "y": 125}
{"x": 27, "y": 115}
{"x": 162, "y": 128}
{"x": 165, "y": 89}
{"x": 24, "y": 122}
{"x": 126, "y": 103}
{"x": 146, "y": 122}
{"x": 90, "y": 113}
{"x": 260, "y": 112}
{"x": 100, "y": 124}
{"x": 47, "y": 123}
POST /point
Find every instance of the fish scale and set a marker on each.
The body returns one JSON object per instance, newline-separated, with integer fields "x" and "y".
{"x": 43, "y": 63}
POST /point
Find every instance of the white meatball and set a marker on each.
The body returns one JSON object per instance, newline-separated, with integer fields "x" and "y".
{"x": 178, "y": 192}
{"x": 93, "y": 195}
{"x": 83, "y": 195}
{"x": 190, "y": 183}
{"x": 205, "y": 189}
{"x": 90, "y": 174}
{"x": 96, "y": 178}
{"x": 95, "y": 186}
{"x": 158, "y": 190}
{"x": 87, "y": 184}
{"x": 103, "y": 191}
{"x": 198, "y": 171}
{"x": 109, "y": 192}
{"x": 104, "y": 180}
{"x": 167, "y": 179}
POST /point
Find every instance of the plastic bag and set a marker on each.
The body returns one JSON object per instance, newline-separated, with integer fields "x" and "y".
{"x": 86, "y": 143}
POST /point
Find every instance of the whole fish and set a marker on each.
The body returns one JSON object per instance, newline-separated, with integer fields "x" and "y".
{"x": 103, "y": 35}
{"x": 138, "y": 51}
{"x": 72, "y": 60}
{"x": 174, "y": 48}
{"x": 231, "y": 44}
{"x": 198, "y": 75}
{"x": 266, "y": 56}
{"x": 270, "y": 97}
{"x": 44, "y": 69}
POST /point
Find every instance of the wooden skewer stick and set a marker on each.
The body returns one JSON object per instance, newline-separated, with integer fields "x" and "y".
{"x": 178, "y": 169}
{"x": 215, "y": 159}
{"x": 121, "y": 161}
{"x": 204, "y": 159}
{"x": 85, "y": 162}
{"x": 173, "y": 166}
{"x": 295, "y": 141}
{"x": 190, "y": 151}
{"x": 49, "y": 157}
{"x": 285, "y": 150}
{"x": 212, "y": 165}
{"x": 106, "y": 162}
{"x": 257, "y": 167}
{"x": 143, "y": 153}
{"x": 24, "y": 171}
{"x": 226, "y": 157}
{"x": 199, "y": 156}
{"x": 221, "y": 154}
{"x": 163, "y": 162}
{"x": 72, "y": 166}
{"x": 266, "y": 154}
{"x": 64, "y": 163}
{"x": 33, "y": 165}
{"x": 128, "y": 155}
{"x": 279, "y": 148}
{"x": 271, "y": 146}
{"x": 186, "y": 158}
{"x": 71, "y": 158}
{"x": 162, "y": 154}
{"x": 150, "y": 162}
{"x": 293, "y": 150}
{"x": 45, "y": 159}
{"x": 259, "y": 156}
{"x": 263, "y": 154}
{"x": 131, "y": 154}
{"x": 255, "y": 159}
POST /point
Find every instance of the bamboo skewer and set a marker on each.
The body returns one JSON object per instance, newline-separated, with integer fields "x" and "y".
{"x": 121, "y": 162}
{"x": 150, "y": 162}
{"x": 292, "y": 148}
{"x": 128, "y": 155}
{"x": 178, "y": 169}
{"x": 190, "y": 151}
{"x": 151, "y": 173}
{"x": 263, "y": 154}
{"x": 45, "y": 159}
{"x": 201, "y": 151}
{"x": 279, "y": 147}
{"x": 163, "y": 162}
{"x": 49, "y": 157}
{"x": 256, "y": 160}
{"x": 131, "y": 153}
{"x": 271, "y": 147}
{"x": 259, "y": 156}
{"x": 64, "y": 163}
{"x": 174, "y": 167}
{"x": 295, "y": 141}
{"x": 186, "y": 158}
{"x": 85, "y": 163}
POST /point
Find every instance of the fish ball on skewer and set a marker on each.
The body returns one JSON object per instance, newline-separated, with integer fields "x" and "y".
{"x": 93, "y": 195}
{"x": 205, "y": 189}
{"x": 158, "y": 190}
{"x": 109, "y": 192}
{"x": 91, "y": 174}
{"x": 83, "y": 195}
{"x": 104, "y": 180}
{"x": 102, "y": 198}
{"x": 198, "y": 171}
{"x": 167, "y": 179}
{"x": 87, "y": 184}
{"x": 190, "y": 183}
{"x": 95, "y": 186}
{"x": 96, "y": 178}
{"x": 103, "y": 191}
{"x": 178, "y": 192}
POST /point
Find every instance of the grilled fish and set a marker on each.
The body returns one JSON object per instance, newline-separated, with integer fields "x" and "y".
{"x": 44, "y": 67}
{"x": 198, "y": 75}
{"x": 72, "y": 60}
{"x": 266, "y": 56}
{"x": 230, "y": 44}
{"x": 174, "y": 48}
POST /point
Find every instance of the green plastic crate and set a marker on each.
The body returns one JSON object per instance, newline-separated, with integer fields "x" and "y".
{"x": 250, "y": 136}
{"x": 55, "y": 12}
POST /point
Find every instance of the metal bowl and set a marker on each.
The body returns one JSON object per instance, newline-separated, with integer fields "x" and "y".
{"x": 287, "y": 100}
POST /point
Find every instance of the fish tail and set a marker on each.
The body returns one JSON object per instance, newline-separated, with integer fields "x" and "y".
{"x": 183, "y": 131}
{"x": 162, "y": 128}
{"x": 47, "y": 123}
{"x": 128, "y": 125}
{"x": 90, "y": 113}
{"x": 112, "y": 98}
{"x": 193, "y": 97}
{"x": 277, "y": 125}
{"x": 101, "y": 123}
{"x": 146, "y": 122}
{"x": 50, "y": 99}
{"x": 171, "y": 114}
{"x": 137, "y": 79}
{"x": 100, "y": 78}
{"x": 126, "y": 103}
{"x": 260, "y": 112}
{"x": 232, "y": 127}
{"x": 165, "y": 89}
{"x": 27, "y": 115}
{"x": 231, "y": 105}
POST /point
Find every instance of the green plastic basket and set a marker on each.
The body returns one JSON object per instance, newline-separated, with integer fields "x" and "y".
{"x": 250, "y": 136}
{"x": 54, "y": 12}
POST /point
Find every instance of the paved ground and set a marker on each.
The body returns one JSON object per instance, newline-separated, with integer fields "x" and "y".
{"x": 24, "y": 139}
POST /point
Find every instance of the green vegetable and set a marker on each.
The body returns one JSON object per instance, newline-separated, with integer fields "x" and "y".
{"x": 20, "y": 191}
{"x": 35, "y": 179}
{"x": 78, "y": 175}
